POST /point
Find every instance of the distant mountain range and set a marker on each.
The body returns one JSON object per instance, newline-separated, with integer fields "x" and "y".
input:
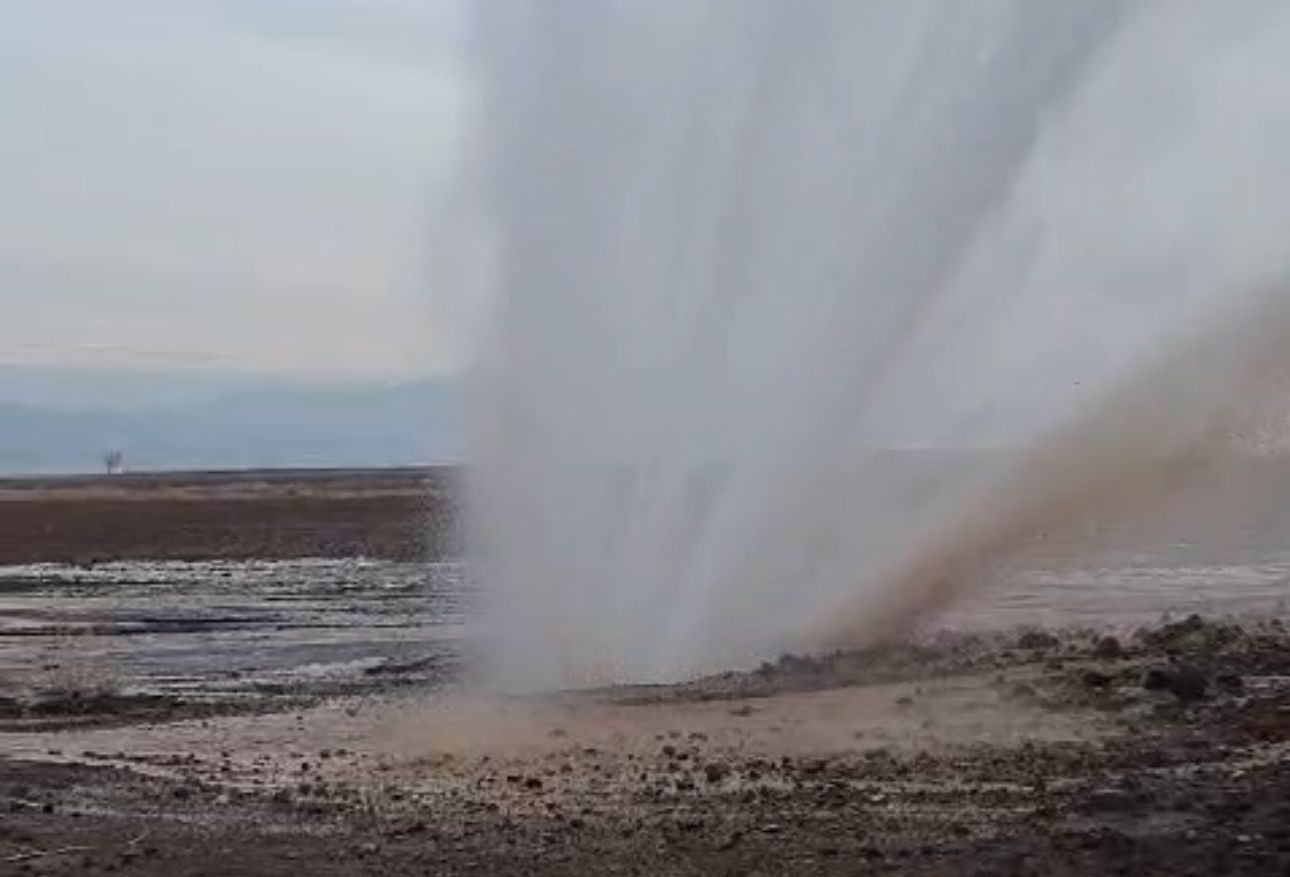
{"x": 56, "y": 422}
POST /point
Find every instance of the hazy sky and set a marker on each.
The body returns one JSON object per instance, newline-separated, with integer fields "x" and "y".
{"x": 228, "y": 184}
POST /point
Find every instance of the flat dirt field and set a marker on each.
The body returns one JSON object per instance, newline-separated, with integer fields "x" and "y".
{"x": 396, "y": 514}
{"x": 191, "y": 701}
{"x": 1071, "y": 753}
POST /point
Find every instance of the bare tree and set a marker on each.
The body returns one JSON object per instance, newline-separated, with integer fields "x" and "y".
{"x": 113, "y": 462}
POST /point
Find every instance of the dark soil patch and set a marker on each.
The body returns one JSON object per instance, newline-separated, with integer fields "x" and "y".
{"x": 399, "y": 515}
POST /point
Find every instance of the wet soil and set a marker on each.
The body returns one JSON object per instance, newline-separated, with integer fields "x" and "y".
{"x": 1026, "y": 752}
{"x": 395, "y": 514}
{"x": 157, "y": 641}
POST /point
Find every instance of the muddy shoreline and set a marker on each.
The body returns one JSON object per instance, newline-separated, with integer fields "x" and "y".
{"x": 1028, "y": 752}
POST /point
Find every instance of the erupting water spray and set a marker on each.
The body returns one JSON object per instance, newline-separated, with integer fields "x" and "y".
{"x": 800, "y": 308}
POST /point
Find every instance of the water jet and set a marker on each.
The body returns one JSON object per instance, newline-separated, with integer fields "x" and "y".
{"x": 799, "y": 308}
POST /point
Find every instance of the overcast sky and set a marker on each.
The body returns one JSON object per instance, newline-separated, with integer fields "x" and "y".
{"x": 229, "y": 184}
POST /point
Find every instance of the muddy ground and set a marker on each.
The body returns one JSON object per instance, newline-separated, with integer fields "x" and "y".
{"x": 1035, "y": 752}
{"x": 395, "y": 514}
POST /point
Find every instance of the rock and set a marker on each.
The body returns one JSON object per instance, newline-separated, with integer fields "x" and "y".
{"x": 1157, "y": 678}
{"x": 1108, "y": 647}
{"x": 1191, "y": 635}
{"x": 799, "y": 665}
{"x": 1183, "y": 681}
{"x": 1095, "y": 679}
{"x": 1189, "y": 683}
{"x": 815, "y": 766}
{"x": 1229, "y": 682}
{"x": 1022, "y": 691}
{"x": 1115, "y": 843}
{"x": 1109, "y": 800}
{"x": 1037, "y": 639}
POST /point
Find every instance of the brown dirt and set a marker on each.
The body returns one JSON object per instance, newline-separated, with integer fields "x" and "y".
{"x": 396, "y": 514}
{"x": 1027, "y": 754}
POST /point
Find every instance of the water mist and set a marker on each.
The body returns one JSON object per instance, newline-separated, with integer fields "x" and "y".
{"x": 802, "y": 307}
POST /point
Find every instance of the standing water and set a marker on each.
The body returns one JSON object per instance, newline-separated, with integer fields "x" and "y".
{"x": 805, "y": 310}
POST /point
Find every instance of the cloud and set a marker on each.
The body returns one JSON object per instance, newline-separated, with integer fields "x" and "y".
{"x": 228, "y": 182}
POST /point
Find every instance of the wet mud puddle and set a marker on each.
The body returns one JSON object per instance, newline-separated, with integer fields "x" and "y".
{"x": 228, "y": 635}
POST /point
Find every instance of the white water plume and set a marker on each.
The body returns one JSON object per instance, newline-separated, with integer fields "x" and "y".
{"x": 800, "y": 306}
